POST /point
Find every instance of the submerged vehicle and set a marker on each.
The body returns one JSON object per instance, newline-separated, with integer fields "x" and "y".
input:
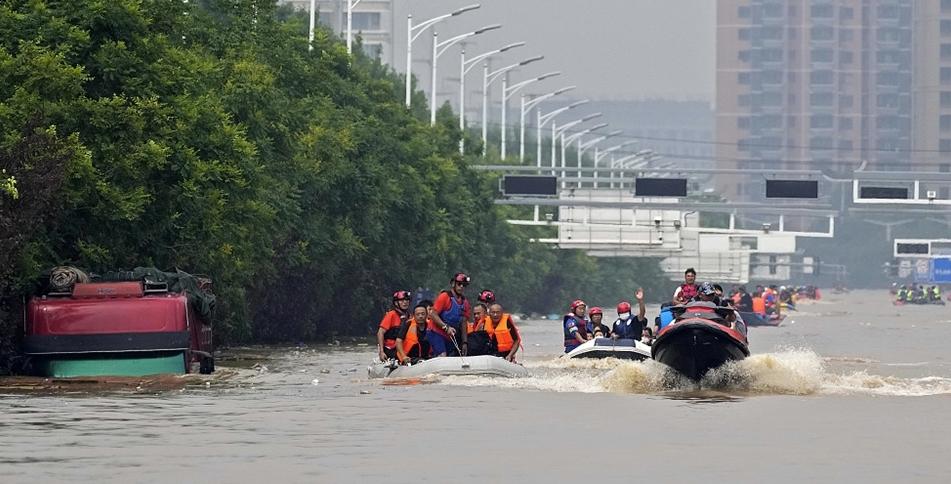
{"x": 756, "y": 319}
{"x": 135, "y": 323}
{"x": 700, "y": 339}
{"x": 483, "y": 365}
{"x": 625, "y": 349}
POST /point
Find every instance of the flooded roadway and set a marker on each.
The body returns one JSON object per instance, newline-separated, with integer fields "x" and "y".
{"x": 848, "y": 389}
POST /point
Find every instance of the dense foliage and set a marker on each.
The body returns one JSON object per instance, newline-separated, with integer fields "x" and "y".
{"x": 205, "y": 136}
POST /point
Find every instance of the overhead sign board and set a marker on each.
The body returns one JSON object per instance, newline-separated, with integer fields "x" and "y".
{"x": 941, "y": 271}
{"x": 792, "y": 189}
{"x": 660, "y": 187}
{"x": 537, "y": 185}
{"x": 884, "y": 193}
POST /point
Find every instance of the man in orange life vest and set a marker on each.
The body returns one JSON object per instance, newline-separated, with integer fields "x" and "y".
{"x": 390, "y": 325}
{"x": 451, "y": 315}
{"x": 412, "y": 344}
{"x": 504, "y": 332}
{"x": 688, "y": 290}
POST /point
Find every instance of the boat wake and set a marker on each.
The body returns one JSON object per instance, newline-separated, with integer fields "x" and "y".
{"x": 787, "y": 372}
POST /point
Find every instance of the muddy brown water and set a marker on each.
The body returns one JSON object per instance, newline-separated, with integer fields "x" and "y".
{"x": 849, "y": 389}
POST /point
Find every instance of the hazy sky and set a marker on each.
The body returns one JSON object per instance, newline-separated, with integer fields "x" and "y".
{"x": 610, "y": 49}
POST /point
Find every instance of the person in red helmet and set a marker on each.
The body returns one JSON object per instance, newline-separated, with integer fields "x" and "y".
{"x": 575, "y": 326}
{"x": 390, "y": 325}
{"x": 451, "y": 316}
{"x": 595, "y": 328}
{"x": 627, "y": 325}
{"x": 487, "y": 297}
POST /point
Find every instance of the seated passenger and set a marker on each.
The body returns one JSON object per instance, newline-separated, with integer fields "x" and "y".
{"x": 575, "y": 326}
{"x": 628, "y": 326}
{"x": 501, "y": 326}
{"x": 647, "y": 336}
{"x": 480, "y": 312}
{"x": 411, "y": 344}
{"x": 595, "y": 328}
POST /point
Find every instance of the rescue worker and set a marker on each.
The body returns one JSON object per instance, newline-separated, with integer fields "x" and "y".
{"x": 487, "y": 297}
{"x": 935, "y": 293}
{"x": 575, "y": 326}
{"x": 390, "y": 325}
{"x": 451, "y": 316}
{"x": 759, "y": 304}
{"x": 501, "y": 326}
{"x": 707, "y": 293}
{"x": 595, "y": 328}
{"x": 628, "y": 326}
{"x": 411, "y": 343}
{"x": 688, "y": 290}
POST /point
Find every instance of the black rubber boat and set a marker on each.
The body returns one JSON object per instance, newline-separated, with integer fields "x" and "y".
{"x": 700, "y": 339}
{"x": 754, "y": 319}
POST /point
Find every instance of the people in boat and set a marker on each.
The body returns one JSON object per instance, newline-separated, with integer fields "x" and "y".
{"x": 934, "y": 293}
{"x": 595, "y": 328}
{"x": 412, "y": 345}
{"x": 688, "y": 290}
{"x": 745, "y": 303}
{"x": 451, "y": 315}
{"x": 627, "y": 325}
{"x": 390, "y": 325}
{"x": 575, "y": 326}
{"x": 758, "y": 303}
{"x": 707, "y": 293}
{"x": 502, "y": 329}
{"x": 903, "y": 295}
{"x": 480, "y": 312}
{"x": 647, "y": 336}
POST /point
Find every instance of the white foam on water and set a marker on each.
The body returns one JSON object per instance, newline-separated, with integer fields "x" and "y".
{"x": 785, "y": 372}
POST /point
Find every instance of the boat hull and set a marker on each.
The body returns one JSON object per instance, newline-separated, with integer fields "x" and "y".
{"x": 754, "y": 319}
{"x": 483, "y": 365}
{"x": 693, "y": 347}
{"x": 625, "y": 349}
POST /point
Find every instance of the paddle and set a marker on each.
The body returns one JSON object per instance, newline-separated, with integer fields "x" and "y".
{"x": 464, "y": 364}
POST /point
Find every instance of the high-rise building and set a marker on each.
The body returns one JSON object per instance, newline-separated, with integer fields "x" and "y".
{"x": 931, "y": 122}
{"x": 816, "y": 84}
{"x": 372, "y": 21}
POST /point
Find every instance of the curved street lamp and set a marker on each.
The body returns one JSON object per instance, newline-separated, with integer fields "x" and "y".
{"x": 509, "y": 90}
{"x": 411, "y": 36}
{"x": 487, "y": 79}
{"x": 464, "y": 67}
{"x": 526, "y": 107}
{"x": 439, "y": 48}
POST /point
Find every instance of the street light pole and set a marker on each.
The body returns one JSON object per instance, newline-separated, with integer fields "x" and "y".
{"x": 601, "y": 154}
{"x": 439, "y": 48}
{"x": 310, "y": 30}
{"x": 350, "y": 5}
{"x": 565, "y": 141}
{"x": 542, "y": 120}
{"x": 465, "y": 67}
{"x": 527, "y": 107}
{"x": 487, "y": 79}
{"x": 509, "y": 90}
{"x": 412, "y": 32}
{"x": 555, "y": 132}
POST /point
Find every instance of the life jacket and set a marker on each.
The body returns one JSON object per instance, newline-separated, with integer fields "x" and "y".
{"x": 688, "y": 291}
{"x": 474, "y": 325}
{"x": 412, "y": 339}
{"x": 582, "y": 326}
{"x": 627, "y": 329}
{"x": 389, "y": 336}
{"x": 456, "y": 312}
{"x": 759, "y": 305}
{"x": 501, "y": 333}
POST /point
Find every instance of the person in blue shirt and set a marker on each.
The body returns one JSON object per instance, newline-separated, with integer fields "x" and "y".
{"x": 627, "y": 325}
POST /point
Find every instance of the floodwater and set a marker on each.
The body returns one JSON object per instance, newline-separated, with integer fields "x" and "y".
{"x": 849, "y": 389}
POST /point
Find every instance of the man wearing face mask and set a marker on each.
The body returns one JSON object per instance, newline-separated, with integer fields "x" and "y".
{"x": 628, "y": 326}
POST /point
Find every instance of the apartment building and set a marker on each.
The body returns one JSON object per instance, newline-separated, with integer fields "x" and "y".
{"x": 372, "y": 20}
{"x": 809, "y": 84}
